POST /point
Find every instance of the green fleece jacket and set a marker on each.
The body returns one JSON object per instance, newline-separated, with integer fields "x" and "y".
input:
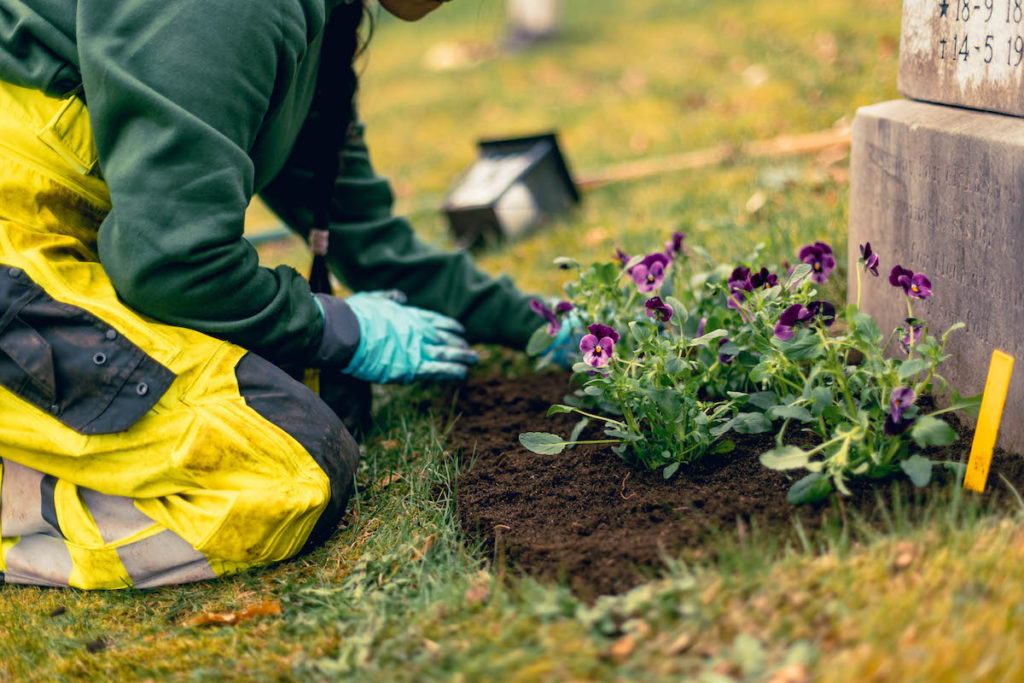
{"x": 196, "y": 106}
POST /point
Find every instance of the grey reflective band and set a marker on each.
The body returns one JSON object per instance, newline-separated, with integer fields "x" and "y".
{"x": 163, "y": 559}
{"x": 21, "y": 502}
{"x": 116, "y": 517}
{"x": 38, "y": 560}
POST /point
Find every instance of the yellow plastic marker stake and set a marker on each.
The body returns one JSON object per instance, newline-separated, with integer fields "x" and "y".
{"x": 992, "y": 402}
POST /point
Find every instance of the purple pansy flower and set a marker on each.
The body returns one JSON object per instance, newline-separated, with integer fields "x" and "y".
{"x": 911, "y": 334}
{"x": 675, "y": 245}
{"x": 822, "y": 262}
{"x": 725, "y": 359}
{"x": 763, "y": 278}
{"x": 658, "y": 309}
{"x": 796, "y": 315}
{"x": 541, "y": 309}
{"x": 739, "y": 283}
{"x": 742, "y": 280}
{"x": 869, "y": 259}
{"x": 700, "y": 327}
{"x": 597, "y": 347}
{"x": 899, "y": 401}
{"x": 913, "y": 284}
{"x": 622, "y": 256}
{"x": 649, "y": 273}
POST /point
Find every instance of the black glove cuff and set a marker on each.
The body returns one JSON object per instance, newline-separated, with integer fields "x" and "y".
{"x": 341, "y": 333}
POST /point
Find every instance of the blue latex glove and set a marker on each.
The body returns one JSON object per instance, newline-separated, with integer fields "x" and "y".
{"x": 403, "y": 343}
{"x": 565, "y": 346}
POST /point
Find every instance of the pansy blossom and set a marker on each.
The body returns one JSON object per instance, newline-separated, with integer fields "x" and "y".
{"x": 914, "y": 285}
{"x": 650, "y": 273}
{"x": 551, "y": 316}
{"x": 658, "y": 309}
{"x": 797, "y": 315}
{"x": 819, "y": 256}
{"x": 911, "y": 334}
{"x": 899, "y": 401}
{"x": 621, "y": 256}
{"x": 675, "y": 245}
{"x": 869, "y": 259}
{"x": 597, "y": 347}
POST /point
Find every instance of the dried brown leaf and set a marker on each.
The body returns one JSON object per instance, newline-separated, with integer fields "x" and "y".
{"x": 262, "y": 609}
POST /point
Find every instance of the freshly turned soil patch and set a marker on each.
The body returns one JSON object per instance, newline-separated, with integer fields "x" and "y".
{"x": 588, "y": 517}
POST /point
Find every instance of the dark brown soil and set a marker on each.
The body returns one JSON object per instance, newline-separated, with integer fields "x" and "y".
{"x": 587, "y": 517}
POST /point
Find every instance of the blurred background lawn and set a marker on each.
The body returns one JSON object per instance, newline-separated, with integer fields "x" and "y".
{"x": 627, "y": 81}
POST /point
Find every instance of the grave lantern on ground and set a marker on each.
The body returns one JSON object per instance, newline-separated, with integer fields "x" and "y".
{"x": 514, "y": 186}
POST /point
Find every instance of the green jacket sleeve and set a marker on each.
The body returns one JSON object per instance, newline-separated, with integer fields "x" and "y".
{"x": 370, "y": 248}
{"x": 177, "y": 93}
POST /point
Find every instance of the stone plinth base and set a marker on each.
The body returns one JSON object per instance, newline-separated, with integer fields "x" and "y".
{"x": 940, "y": 190}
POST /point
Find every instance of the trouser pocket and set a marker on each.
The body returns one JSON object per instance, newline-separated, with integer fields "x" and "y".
{"x": 66, "y": 361}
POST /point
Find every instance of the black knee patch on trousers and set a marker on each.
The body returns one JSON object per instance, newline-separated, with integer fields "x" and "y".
{"x": 296, "y": 409}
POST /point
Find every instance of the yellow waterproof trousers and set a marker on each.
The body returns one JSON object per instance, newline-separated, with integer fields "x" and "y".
{"x": 133, "y": 453}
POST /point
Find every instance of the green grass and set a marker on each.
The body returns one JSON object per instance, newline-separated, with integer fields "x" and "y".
{"x": 399, "y": 593}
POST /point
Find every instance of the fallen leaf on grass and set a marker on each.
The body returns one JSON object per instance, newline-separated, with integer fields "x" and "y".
{"x": 906, "y": 553}
{"x": 266, "y": 608}
{"x": 621, "y": 649}
{"x": 476, "y": 594}
{"x": 680, "y": 645}
{"x": 427, "y": 545}
{"x": 792, "y": 673}
{"x": 387, "y": 481}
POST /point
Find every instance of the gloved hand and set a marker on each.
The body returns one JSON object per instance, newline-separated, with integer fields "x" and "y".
{"x": 400, "y": 343}
{"x": 565, "y": 346}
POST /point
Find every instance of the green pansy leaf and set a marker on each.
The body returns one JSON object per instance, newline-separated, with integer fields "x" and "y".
{"x": 558, "y": 409}
{"x": 707, "y": 338}
{"x": 799, "y": 273}
{"x": 821, "y": 398}
{"x": 912, "y": 367}
{"x": 678, "y": 309}
{"x": 790, "y": 412}
{"x": 675, "y": 366}
{"x": 751, "y": 423}
{"x": 727, "y": 446}
{"x": 919, "y": 469}
{"x": 636, "y": 260}
{"x": 867, "y": 327}
{"x": 542, "y": 442}
{"x": 581, "y": 368}
{"x": 806, "y": 346}
{"x": 539, "y": 342}
{"x": 670, "y": 470}
{"x": 951, "y": 330}
{"x": 811, "y": 489}
{"x": 578, "y": 429}
{"x": 931, "y": 431}
{"x": 785, "y": 458}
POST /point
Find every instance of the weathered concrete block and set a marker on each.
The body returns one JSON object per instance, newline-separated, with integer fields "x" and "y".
{"x": 964, "y": 52}
{"x": 940, "y": 191}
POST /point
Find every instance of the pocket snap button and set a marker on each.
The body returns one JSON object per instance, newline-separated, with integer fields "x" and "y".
{"x": 141, "y": 388}
{"x": 111, "y": 335}
{"x": 99, "y": 358}
{"x": 14, "y": 272}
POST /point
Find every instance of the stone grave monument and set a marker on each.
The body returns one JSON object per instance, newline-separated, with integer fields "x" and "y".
{"x": 937, "y": 186}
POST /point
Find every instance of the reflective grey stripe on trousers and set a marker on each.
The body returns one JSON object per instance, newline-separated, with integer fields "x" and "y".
{"x": 41, "y": 555}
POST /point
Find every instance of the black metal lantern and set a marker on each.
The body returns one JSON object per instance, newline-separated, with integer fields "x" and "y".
{"x": 514, "y": 186}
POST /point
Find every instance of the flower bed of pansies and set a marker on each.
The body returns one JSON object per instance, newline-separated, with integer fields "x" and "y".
{"x": 674, "y": 355}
